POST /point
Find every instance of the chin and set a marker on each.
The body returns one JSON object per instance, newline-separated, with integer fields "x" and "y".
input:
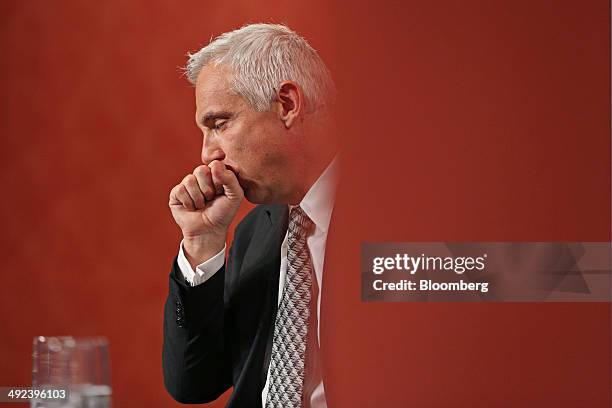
{"x": 257, "y": 196}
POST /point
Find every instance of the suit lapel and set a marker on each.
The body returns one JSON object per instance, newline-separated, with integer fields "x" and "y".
{"x": 259, "y": 276}
{"x": 279, "y": 217}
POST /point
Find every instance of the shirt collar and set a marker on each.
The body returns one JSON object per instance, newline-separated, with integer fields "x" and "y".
{"x": 318, "y": 202}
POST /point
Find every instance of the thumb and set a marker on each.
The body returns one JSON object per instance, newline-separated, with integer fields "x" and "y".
{"x": 224, "y": 178}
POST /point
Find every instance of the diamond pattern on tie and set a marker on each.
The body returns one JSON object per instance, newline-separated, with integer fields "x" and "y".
{"x": 291, "y": 325}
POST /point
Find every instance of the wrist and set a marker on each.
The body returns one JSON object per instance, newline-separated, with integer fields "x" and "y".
{"x": 199, "y": 249}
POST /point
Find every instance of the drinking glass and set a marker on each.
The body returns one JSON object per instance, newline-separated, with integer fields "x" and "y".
{"x": 79, "y": 365}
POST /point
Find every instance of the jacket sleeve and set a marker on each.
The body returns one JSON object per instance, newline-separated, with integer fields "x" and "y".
{"x": 195, "y": 360}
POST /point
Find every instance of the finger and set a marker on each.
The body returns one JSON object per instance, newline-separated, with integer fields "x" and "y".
{"x": 173, "y": 196}
{"x": 193, "y": 188}
{"x": 204, "y": 178}
{"x": 226, "y": 178}
{"x": 184, "y": 198}
{"x": 218, "y": 185}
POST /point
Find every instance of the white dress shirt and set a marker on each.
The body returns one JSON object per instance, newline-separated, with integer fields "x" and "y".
{"x": 318, "y": 204}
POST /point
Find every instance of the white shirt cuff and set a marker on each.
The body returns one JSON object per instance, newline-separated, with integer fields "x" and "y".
{"x": 204, "y": 271}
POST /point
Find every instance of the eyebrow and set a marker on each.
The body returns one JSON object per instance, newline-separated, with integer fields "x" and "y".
{"x": 211, "y": 116}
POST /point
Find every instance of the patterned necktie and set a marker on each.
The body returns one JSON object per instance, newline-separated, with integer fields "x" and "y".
{"x": 291, "y": 325}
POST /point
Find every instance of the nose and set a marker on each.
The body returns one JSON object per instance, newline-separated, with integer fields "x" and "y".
{"x": 211, "y": 150}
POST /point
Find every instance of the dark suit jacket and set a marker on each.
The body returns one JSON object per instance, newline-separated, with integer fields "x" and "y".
{"x": 219, "y": 334}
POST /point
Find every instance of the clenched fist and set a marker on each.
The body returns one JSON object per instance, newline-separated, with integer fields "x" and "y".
{"x": 203, "y": 205}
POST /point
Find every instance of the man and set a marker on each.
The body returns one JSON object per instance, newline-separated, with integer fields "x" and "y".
{"x": 263, "y": 103}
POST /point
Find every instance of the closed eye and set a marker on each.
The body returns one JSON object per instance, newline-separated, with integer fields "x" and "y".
{"x": 218, "y": 124}
{"x": 215, "y": 120}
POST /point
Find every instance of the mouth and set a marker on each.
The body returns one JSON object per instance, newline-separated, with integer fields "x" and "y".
{"x": 232, "y": 169}
{"x": 241, "y": 181}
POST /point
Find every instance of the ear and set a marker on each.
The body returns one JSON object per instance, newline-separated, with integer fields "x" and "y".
{"x": 290, "y": 102}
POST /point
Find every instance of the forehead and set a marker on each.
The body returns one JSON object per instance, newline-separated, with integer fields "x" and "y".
{"x": 213, "y": 89}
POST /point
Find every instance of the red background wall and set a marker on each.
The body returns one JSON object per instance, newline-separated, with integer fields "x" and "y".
{"x": 472, "y": 120}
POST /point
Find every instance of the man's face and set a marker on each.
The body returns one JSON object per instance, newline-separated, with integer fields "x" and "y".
{"x": 254, "y": 145}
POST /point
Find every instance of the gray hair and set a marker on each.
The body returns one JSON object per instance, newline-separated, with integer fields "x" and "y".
{"x": 261, "y": 56}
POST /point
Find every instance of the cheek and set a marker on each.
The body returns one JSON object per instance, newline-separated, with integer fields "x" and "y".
{"x": 258, "y": 143}
{"x": 252, "y": 140}
{"x": 233, "y": 140}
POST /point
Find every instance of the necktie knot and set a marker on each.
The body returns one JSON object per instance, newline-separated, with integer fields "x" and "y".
{"x": 300, "y": 224}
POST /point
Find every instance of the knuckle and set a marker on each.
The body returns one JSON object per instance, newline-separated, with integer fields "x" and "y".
{"x": 189, "y": 179}
{"x": 215, "y": 164}
{"x": 183, "y": 193}
{"x": 191, "y": 186}
{"x": 201, "y": 170}
{"x": 204, "y": 181}
{"x": 176, "y": 191}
